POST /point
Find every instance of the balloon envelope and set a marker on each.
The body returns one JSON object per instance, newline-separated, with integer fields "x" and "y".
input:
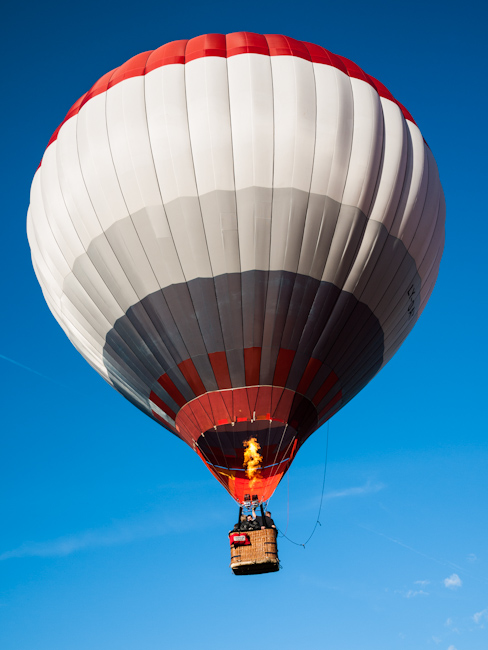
{"x": 237, "y": 232}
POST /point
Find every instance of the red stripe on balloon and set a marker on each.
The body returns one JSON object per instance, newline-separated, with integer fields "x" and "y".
{"x": 206, "y": 45}
{"x": 225, "y": 46}
{"x": 319, "y": 54}
{"x": 353, "y": 70}
{"x": 325, "y": 388}
{"x": 171, "y": 389}
{"x": 246, "y": 43}
{"x": 218, "y": 361}
{"x": 313, "y": 366}
{"x": 191, "y": 375}
{"x": 168, "y": 54}
{"x": 98, "y": 87}
{"x": 135, "y": 67}
{"x": 280, "y": 45}
{"x": 72, "y": 111}
{"x": 252, "y": 362}
{"x": 155, "y": 399}
{"x": 283, "y": 365}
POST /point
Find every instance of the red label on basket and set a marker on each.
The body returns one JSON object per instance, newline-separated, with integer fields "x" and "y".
{"x": 239, "y": 539}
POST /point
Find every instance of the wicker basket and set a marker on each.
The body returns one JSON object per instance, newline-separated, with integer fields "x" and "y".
{"x": 260, "y": 556}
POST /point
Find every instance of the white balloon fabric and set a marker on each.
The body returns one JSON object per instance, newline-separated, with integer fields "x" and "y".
{"x": 237, "y": 232}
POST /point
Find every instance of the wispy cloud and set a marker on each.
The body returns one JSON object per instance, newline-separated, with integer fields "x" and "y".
{"x": 117, "y": 534}
{"x": 471, "y": 557}
{"x": 21, "y": 365}
{"x": 345, "y": 493}
{"x": 436, "y": 639}
{"x": 450, "y": 624}
{"x": 367, "y": 488}
{"x": 422, "y": 582}
{"x": 451, "y": 647}
{"x": 411, "y": 593}
{"x": 479, "y": 617}
{"x": 453, "y": 582}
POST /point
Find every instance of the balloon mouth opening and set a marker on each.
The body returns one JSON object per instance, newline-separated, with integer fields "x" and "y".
{"x": 223, "y": 450}
{"x": 220, "y": 426}
{"x": 224, "y": 445}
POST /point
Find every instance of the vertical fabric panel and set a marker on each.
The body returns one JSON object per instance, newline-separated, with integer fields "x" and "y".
{"x": 251, "y": 114}
{"x": 56, "y": 213}
{"x": 294, "y": 127}
{"x": 393, "y": 166}
{"x": 335, "y": 119}
{"x": 75, "y": 195}
{"x": 172, "y": 151}
{"x": 367, "y": 144}
{"x": 211, "y": 140}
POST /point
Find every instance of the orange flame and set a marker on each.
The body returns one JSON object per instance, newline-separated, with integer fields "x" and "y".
{"x": 252, "y": 460}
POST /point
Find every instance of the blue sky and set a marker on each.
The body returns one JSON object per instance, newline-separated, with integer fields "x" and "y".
{"x": 113, "y": 532}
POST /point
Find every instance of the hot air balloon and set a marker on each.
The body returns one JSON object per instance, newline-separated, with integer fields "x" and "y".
{"x": 237, "y": 232}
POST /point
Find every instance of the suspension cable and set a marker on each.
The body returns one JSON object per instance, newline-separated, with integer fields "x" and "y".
{"x": 317, "y": 523}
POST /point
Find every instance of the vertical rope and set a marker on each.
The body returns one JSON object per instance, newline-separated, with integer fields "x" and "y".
{"x": 317, "y": 522}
